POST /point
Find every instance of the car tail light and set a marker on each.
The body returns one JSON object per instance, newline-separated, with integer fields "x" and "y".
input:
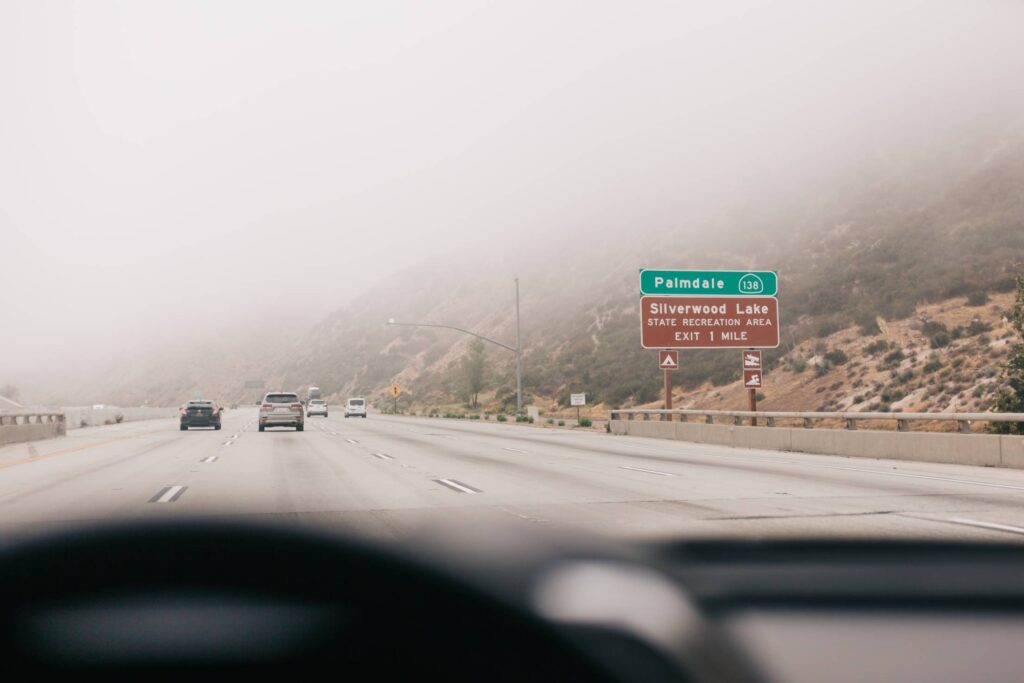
{"x": 265, "y": 405}
{"x": 297, "y": 405}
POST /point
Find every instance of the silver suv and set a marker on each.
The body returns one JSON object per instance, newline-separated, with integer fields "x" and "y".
{"x": 281, "y": 409}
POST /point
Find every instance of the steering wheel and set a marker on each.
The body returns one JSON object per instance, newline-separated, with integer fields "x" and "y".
{"x": 216, "y": 598}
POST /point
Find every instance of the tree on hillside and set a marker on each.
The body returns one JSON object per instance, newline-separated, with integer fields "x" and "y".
{"x": 9, "y": 391}
{"x": 474, "y": 365}
{"x": 1010, "y": 398}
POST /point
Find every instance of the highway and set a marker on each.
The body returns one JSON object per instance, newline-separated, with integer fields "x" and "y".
{"x": 389, "y": 476}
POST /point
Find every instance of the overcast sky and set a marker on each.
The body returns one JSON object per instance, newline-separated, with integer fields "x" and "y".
{"x": 168, "y": 167}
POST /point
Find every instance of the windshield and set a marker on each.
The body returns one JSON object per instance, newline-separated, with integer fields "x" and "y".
{"x": 646, "y": 270}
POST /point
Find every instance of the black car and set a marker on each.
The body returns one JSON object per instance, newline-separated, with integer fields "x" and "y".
{"x": 200, "y": 414}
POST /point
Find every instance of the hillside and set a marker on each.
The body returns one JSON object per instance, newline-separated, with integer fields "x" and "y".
{"x": 904, "y": 249}
{"x": 888, "y": 251}
{"x": 947, "y": 357}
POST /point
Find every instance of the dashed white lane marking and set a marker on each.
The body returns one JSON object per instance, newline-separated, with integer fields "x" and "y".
{"x": 212, "y": 458}
{"x": 987, "y": 525}
{"x": 512, "y": 450}
{"x": 641, "y": 469}
{"x": 457, "y": 486}
{"x": 526, "y": 518}
{"x": 351, "y": 440}
{"x": 334, "y": 433}
{"x": 227, "y": 443}
{"x": 168, "y": 494}
{"x": 383, "y": 456}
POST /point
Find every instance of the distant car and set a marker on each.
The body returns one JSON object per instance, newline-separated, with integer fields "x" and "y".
{"x": 316, "y": 406}
{"x": 281, "y": 409}
{"x": 200, "y": 414}
{"x": 356, "y": 407}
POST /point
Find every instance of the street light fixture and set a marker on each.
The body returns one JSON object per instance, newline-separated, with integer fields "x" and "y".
{"x": 517, "y": 349}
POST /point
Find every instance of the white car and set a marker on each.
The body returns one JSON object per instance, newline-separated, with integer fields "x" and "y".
{"x": 316, "y": 406}
{"x": 356, "y": 407}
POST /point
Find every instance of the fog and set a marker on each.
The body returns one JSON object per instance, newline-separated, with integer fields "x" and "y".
{"x": 171, "y": 170}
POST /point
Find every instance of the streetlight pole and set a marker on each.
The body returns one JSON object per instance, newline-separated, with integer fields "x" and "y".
{"x": 519, "y": 359}
{"x": 517, "y": 349}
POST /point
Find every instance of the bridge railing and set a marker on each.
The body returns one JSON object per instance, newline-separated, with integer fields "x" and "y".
{"x": 809, "y": 419}
{"x": 21, "y": 426}
{"x": 25, "y": 418}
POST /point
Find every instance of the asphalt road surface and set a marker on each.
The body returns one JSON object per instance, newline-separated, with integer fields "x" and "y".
{"x": 389, "y": 476}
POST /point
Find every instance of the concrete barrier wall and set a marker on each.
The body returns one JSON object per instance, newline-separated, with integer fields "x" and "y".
{"x": 22, "y": 429}
{"x": 989, "y": 450}
{"x": 75, "y": 416}
{"x": 1011, "y": 452}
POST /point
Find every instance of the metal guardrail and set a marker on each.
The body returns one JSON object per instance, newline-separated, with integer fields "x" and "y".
{"x": 902, "y": 420}
{"x": 29, "y": 418}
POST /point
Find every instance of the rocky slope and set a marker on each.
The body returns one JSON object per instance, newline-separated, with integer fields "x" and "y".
{"x": 903, "y": 249}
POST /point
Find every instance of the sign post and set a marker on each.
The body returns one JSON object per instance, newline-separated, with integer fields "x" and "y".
{"x": 395, "y": 390}
{"x": 577, "y": 400}
{"x": 668, "y": 394}
{"x": 752, "y": 380}
{"x": 256, "y": 384}
{"x": 668, "y": 361}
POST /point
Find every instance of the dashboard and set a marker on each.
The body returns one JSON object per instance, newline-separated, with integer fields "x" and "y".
{"x": 463, "y": 603}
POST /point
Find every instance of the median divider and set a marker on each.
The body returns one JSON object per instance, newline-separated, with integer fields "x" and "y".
{"x": 961, "y": 448}
{"x": 22, "y": 427}
{"x": 93, "y": 417}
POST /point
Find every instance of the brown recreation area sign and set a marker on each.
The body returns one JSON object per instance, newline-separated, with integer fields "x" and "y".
{"x": 712, "y": 322}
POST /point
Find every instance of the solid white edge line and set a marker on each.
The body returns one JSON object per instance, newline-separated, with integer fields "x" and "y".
{"x": 513, "y": 450}
{"x": 924, "y": 476}
{"x": 170, "y": 493}
{"x": 986, "y": 525}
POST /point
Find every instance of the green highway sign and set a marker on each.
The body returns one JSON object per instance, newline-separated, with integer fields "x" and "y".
{"x": 709, "y": 282}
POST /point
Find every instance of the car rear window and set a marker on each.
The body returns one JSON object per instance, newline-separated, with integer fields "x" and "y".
{"x": 355, "y": 401}
{"x": 316, "y": 402}
{"x": 282, "y": 398}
